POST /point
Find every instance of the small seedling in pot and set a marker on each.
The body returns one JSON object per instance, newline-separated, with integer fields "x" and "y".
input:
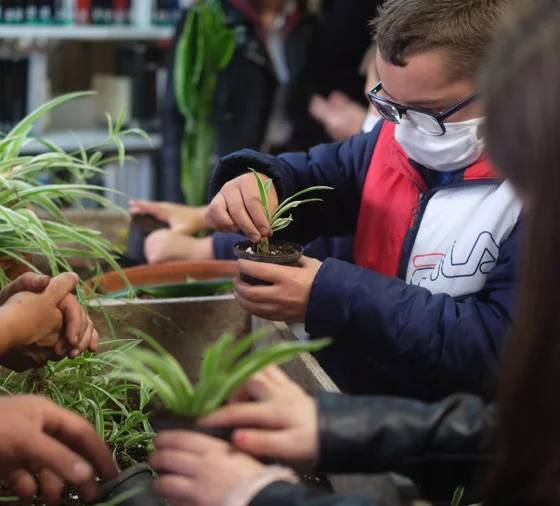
{"x": 277, "y": 219}
{"x": 276, "y": 252}
{"x": 225, "y": 366}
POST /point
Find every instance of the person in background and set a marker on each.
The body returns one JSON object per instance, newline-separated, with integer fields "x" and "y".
{"x": 286, "y": 55}
{"x": 261, "y": 95}
{"x": 343, "y": 117}
{"x": 425, "y": 308}
{"x": 275, "y": 418}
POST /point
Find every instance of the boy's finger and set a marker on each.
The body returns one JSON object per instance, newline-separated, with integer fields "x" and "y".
{"x": 61, "y": 285}
{"x": 266, "y": 272}
{"x": 217, "y": 214}
{"x": 254, "y": 207}
{"x": 263, "y": 310}
{"x": 239, "y": 215}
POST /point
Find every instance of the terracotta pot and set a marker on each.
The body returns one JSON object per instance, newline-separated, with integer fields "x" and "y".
{"x": 12, "y": 268}
{"x": 167, "y": 273}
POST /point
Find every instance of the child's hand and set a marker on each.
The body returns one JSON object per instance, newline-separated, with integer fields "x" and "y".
{"x": 43, "y": 447}
{"x": 42, "y": 326}
{"x": 238, "y": 206}
{"x": 167, "y": 245}
{"x": 199, "y": 470}
{"x": 274, "y": 418}
{"x": 286, "y": 298}
{"x": 184, "y": 219}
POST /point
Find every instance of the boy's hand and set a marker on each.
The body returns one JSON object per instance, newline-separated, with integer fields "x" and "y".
{"x": 184, "y": 219}
{"x": 288, "y": 296}
{"x": 43, "y": 447}
{"x": 238, "y": 207}
{"x": 42, "y": 326}
{"x": 166, "y": 245}
{"x": 200, "y": 470}
{"x": 283, "y": 419}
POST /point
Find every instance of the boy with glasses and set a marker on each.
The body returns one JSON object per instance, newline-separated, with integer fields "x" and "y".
{"x": 424, "y": 309}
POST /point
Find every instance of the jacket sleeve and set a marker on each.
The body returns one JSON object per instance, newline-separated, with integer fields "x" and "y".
{"x": 342, "y": 166}
{"x": 382, "y": 434}
{"x": 288, "y": 494}
{"x": 409, "y": 341}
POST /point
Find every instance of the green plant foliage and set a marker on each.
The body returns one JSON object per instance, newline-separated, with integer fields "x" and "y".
{"x": 22, "y": 233}
{"x": 226, "y": 365}
{"x": 116, "y": 407}
{"x": 277, "y": 219}
{"x": 205, "y": 48}
{"x": 458, "y": 496}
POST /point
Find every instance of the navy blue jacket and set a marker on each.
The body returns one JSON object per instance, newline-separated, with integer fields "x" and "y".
{"x": 391, "y": 337}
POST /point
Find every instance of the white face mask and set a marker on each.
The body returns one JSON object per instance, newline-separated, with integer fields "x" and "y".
{"x": 459, "y": 147}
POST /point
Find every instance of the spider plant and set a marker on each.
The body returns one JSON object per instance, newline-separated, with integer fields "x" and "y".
{"x": 277, "y": 219}
{"x": 205, "y": 48}
{"x": 225, "y": 366}
{"x": 23, "y": 233}
{"x": 116, "y": 407}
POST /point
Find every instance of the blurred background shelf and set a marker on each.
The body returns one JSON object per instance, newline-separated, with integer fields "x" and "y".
{"x": 86, "y": 33}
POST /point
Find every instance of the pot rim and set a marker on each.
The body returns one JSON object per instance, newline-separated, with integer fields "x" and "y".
{"x": 240, "y": 247}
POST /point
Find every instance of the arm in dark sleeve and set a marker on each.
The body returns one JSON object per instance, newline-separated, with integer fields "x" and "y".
{"x": 342, "y": 166}
{"x": 222, "y": 245}
{"x": 434, "y": 345}
{"x": 288, "y": 494}
{"x": 381, "y": 434}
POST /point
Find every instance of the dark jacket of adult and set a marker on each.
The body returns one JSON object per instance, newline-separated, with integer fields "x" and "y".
{"x": 450, "y": 440}
{"x": 322, "y": 53}
{"x": 245, "y": 93}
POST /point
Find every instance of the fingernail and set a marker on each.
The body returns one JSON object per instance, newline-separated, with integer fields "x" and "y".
{"x": 82, "y": 470}
{"x": 240, "y": 437}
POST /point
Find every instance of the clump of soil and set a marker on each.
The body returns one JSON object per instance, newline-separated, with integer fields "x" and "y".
{"x": 275, "y": 250}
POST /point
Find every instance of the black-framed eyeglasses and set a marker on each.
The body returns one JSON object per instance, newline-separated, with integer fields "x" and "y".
{"x": 426, "y": 121}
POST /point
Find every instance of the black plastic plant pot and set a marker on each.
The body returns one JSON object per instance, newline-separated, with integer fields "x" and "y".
{"x": 283, "y": 253}
{"x": 162, "y": 420}
{"x": 133, "y": 487}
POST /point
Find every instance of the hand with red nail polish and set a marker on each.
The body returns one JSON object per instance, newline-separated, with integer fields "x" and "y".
{"x": 273, "y": 417}
{"x": 44, "y": 447}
